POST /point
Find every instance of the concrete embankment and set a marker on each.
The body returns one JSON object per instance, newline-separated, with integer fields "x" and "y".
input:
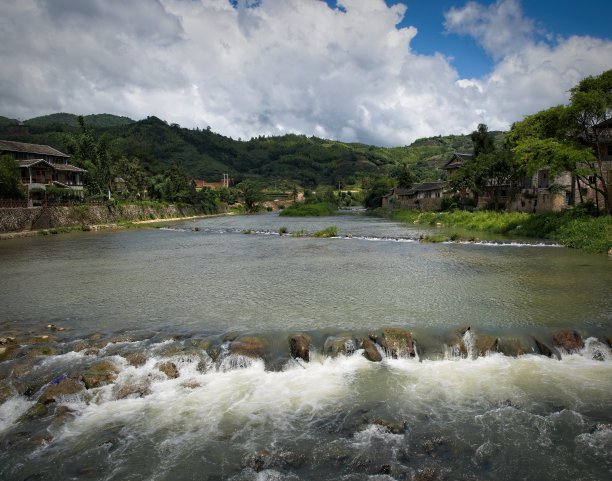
{"x": 17, "y": 220}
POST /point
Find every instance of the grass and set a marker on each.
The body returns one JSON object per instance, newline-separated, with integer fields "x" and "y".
{"x": 309, "y": 210}
{"x": 331, "y": 231}
{"x": 572, "y": 228}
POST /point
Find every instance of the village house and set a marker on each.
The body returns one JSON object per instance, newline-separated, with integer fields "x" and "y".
{"x": 42, "y": 166}
{"x": 200, "y": 184}
{"x": 423, "y": 196}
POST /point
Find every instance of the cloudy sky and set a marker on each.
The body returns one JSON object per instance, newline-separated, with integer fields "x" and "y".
{"x": 374, "y": 71}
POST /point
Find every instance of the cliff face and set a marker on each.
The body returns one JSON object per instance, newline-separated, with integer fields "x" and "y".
{"x": 23, "y": 219}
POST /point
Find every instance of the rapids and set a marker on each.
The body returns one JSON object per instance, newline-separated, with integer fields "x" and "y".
{"x": 164, "y": 355}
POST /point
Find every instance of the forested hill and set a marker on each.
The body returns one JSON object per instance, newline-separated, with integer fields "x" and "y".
{"x": 206, "y": 154}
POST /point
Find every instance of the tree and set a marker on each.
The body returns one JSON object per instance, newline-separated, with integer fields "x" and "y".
{"x": 376, "y": 190}
{"x": 567, "y": 138}
{"x": 96, "y": 156}
{"x": 251, "y": 193}
{"x": 9, "y": 178}
{"x": 483, "y": 140}
{"x": 404, "y": 176}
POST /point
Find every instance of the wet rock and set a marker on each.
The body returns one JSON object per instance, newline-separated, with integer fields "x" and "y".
{"x": 485, "y": 345}
{"x": 397, "y": 342}
{"x": 8, "y": 351}
{"x": 369, "y": 350}
{"x": 37, "y": 411}
{"x": 80, "y": 345}
{"x": 512, "y": 347}
{"x": 568, "y": 340}
{"x": 249, "y": 346}
{"x": 339, "y": 344}
{"x": 40, "y": 439}
{"x": 62, "y": 415}
{"x": 6, "y": 392}
{"x": 299, "y": 345}
{"x": 136, "y": 359}
{"x": 390, "y": 426}
{"x": 136, "y": 389}
{"x": 42, "y": 351}
{"x": 214, "y": 353}
{"x": 264, "y": 459}
{"x": 202, "y": 344}
{"x": 172, "y": 350}
{"x": 191, "y": 384}
{"x": 169, "y": 369}
{"x": 425, "y": 474}
{"x": 542, "y": 348}
{"x": 66, "y": 387}
{"x": 100, "y": 374}
{"x": 36, "y": 340}
{"x": 609, "y": 341}
{"x": 231, "y": 336}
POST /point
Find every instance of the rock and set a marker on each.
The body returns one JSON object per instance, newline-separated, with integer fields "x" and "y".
{"x": 136, "y": 358}
{"x": 568, "y": 340}
{"x": 425, "y": 474}
{"x": 512, "y": 347}
{"x": 299, "y": 345}
{"x": 393, "y": 428}
{"x": 249, "y": 346}
{"x": 42, "y": 351}
{"x": 80, "y": 345}
{"x": 202, "y": 344}
{"x": 486, "y": 344}
{"x": 8, "y": 351}
{"x": 339, "y": 344}
{"x": 135, "y": 389}
{"x": 609, "y": 341}
{"x": 37, "y": 411}
{"x": 369, "y": 351}
{"x": 100, "y": 374}
{"x": 61, "y": 415}
{"x": 169, "y": 369}
{"x": 542, "y": 348}
{"x": 66, "y": 387}
{"x": 6, "y": 392}
{"x": 397, "y": 342}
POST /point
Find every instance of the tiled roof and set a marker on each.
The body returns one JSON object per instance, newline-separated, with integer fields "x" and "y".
{"x": 65, "y": 167}
{"x": 457, "y": 160}
{"x": 11, "y": 146}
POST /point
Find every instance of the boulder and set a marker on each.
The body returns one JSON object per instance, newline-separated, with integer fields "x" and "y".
{"x": 397, "y": 342}
{"x": 100, "y": 374}
{"x": 542, "y": 348}
{"x": 136, "y": 358}
{"x": 136, "y": 389}
{"x": 6, "y": 392}
{"x": 169, "y": 369}
{"x": 568, "y": 340}
{"x": 37, "y": 411}
{"x": 54, "y": 392}
{"x": 369, "y": 351}
{"x": 299, "y": 345}
{"x": 390, "y": 426}
{"x": 512, "y": 347}
{"x": 485, "y": 344}
{"x": 249, "y": 346}
{"x": 339, "y": 344}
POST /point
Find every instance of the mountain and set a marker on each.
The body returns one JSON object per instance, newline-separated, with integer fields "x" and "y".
{"x": 207, "y": 155}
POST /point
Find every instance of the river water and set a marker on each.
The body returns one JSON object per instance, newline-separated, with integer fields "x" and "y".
{"x": 154, "y": 316}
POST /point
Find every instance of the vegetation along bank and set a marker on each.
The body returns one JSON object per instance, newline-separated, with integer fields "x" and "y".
{"x": 573, "y": 228}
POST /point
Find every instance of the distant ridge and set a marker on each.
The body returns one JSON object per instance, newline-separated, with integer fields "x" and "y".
{"x": 204, "y": 154}
{"x": 94, "y": 120}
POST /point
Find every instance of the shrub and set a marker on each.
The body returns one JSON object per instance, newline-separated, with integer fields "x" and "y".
{"x": 331, "y": 231}
{"x": 309, "y": 210}
{"x": 282, "y": 230}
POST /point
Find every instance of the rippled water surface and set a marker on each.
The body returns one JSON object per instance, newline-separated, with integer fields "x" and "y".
{"x": 137, "y": 331}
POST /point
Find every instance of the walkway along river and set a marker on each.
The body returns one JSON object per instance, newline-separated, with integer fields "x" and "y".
{"x": 165, "y": 354}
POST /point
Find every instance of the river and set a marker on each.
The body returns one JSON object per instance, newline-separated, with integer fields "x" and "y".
{"x": 153, "y": 317}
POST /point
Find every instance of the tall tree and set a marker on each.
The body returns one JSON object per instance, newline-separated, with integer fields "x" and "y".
{"x": 9, "y": 178}
{"x": 567, "y": 138}
{"x": 483, "y": 140}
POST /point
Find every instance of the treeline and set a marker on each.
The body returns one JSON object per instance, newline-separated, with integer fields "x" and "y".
{"x": 295, "y": 159}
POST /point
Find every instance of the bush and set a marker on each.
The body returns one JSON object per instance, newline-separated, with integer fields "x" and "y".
{"x": 331, "y": 231}
{"x": 282, "y": 230}
{"x": 309, "y": 210}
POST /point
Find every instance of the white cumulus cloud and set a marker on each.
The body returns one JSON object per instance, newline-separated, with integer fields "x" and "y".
{"x": 278, "y": 66}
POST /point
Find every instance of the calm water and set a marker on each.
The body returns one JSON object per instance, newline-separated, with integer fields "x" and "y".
{"x": 181, "y": 294}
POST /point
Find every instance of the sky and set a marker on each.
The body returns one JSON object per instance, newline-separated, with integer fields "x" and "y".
{"x": 382, "y": 72}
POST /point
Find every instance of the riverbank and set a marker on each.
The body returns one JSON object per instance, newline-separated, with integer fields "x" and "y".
{"x": 23, "y": 222}
{"x": 574, "y": 229}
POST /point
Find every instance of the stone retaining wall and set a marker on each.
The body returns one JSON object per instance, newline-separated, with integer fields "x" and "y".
{"x": 31, "y": 218}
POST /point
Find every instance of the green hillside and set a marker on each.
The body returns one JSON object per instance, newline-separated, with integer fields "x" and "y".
{"x": 205, "y": 154}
